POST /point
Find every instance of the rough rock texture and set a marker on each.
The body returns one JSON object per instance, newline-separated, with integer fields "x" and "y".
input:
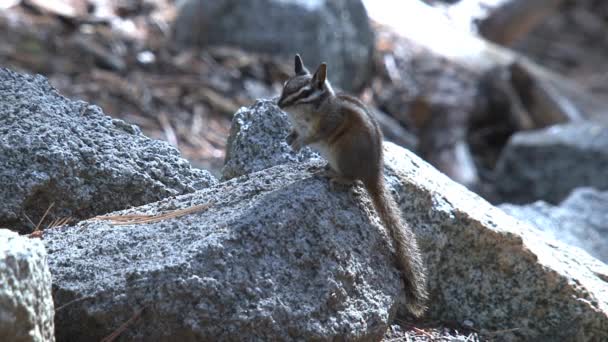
{"x": 581, "y": 220}
{"x": 486, "y": 266}
{"x": 249, "y": 150}
{"x": 275, "y": 257}
{"x": 26, "y": 305}
{"x": 548, "y": 164}
{"x": 54, "y": 150}
{"x": 334, "y": 31}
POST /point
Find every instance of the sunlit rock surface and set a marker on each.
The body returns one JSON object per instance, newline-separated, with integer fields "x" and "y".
{"x": 485, "y": 265}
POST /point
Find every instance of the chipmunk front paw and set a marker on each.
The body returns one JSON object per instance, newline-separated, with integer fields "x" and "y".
{"x": 293, "y": 139}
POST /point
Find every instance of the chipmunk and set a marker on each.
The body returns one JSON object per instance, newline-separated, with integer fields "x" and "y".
{"x": 346, "y": 134}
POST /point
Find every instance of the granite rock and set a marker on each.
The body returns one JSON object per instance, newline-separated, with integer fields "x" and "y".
{"x": 250, "y": 147}
{"x": 275, "y": 257}
{"x": 69, "y": 155}
{"x": 26, "y": 304}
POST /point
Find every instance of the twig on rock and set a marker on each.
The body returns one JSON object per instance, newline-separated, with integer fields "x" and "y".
{"x": 121, "y": 220}
{"x": 123, "y": 327}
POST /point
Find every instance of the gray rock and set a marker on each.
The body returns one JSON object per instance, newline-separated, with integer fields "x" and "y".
{"x": 485, "y": 265}
{"x": 26, "y": 304}
{"x": 54, "y": 150}
{"x": 334, "y": 31}
{"x": 581, "y": 220}
{"x": 255, "y": 141}
{"x": 548, "y": 164}
{"x": 275, "y": 257}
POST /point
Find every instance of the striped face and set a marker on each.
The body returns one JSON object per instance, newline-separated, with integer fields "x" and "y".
{"x": 305, "y": 88}
{"x": 299, "y": 90}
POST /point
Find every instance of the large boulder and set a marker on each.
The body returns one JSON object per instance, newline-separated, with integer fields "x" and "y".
{"x": 581, "y": 220}
{"x": 548, "y": 164}
{"x": 69, "y": 155}
{"x": 274, "y": 257}
{"x": 484, "y": 265}
{"x": 26, "y": 305}
{"x": 334, "y": 31}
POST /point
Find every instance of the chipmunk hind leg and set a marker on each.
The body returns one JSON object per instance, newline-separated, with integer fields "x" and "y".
{"x": 359, "y": 158}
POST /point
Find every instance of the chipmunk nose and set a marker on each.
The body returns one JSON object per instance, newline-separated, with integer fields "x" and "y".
{"x": 281, "y": 102}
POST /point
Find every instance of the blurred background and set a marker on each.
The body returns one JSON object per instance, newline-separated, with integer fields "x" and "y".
{"x": 454, "y": 81}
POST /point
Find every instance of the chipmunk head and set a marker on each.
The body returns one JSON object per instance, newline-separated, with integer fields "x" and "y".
{"x": 304, "y": 88}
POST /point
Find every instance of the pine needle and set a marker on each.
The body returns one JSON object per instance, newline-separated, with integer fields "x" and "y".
{"x": 72, "y": 302}
{"x": 58, "y": 222}
{"x": 44, "y": 216}
{"x": 29, "y": 220}
{"x": 122, "y": 220}
{"x": 123, "y": 327}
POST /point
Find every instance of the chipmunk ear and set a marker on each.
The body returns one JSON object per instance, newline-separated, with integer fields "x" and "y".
{"x": 299, "y": 66}
{"x": 320, "y": 75}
